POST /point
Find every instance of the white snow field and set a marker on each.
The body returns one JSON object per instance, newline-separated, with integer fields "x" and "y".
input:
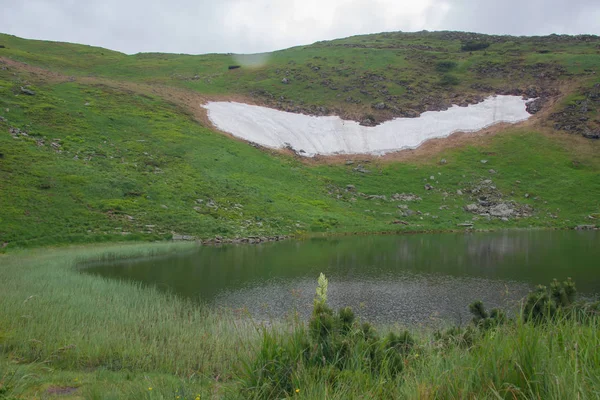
{"x": 310, "y": 135}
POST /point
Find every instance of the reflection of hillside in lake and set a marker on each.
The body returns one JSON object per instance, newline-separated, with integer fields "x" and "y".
{"x": 408, "y": 278}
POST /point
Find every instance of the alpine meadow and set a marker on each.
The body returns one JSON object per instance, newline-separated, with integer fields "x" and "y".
{"x": 106, "y": 157}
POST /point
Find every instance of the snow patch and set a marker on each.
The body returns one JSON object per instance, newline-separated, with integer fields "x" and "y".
{"x": 311, "y": 135}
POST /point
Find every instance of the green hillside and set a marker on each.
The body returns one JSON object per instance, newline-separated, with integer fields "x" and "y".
{"x": 114, "y": 147}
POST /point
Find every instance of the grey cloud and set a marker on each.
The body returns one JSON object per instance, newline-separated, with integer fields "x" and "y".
{"x": 248, "y": 26}
{"x": 523, "y": 17}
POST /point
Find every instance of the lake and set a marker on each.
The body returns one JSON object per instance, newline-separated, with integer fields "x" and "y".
{"x": 407, "y": 279}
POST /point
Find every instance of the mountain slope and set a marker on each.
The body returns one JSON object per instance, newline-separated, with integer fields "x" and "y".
{"x": 96, "y": 145}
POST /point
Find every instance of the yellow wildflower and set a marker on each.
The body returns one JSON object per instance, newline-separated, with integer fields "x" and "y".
{"x": 149, "y": 388}
{"x": 297, "y": 390}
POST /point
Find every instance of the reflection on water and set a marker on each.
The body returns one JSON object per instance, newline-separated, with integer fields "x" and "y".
{"x": 404, "y": 279}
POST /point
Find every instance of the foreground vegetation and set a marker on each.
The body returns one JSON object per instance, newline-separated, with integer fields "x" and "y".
{"x": 81, "y": 336}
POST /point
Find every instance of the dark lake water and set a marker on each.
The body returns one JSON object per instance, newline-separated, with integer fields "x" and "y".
{"x": 386, "y": 279}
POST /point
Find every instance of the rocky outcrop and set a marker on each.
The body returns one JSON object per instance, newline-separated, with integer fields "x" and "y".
{"x": 490, "y": 202}
{"x": 581, "y": 115}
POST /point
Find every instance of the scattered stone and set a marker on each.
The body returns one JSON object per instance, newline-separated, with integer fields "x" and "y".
{"x": 459, "y": 192}
{"x": 443, "y": 161}
{"x": 398, "y": 222}
{"x": 376, "y": 197}
{"x": 526, "y": 195}
{"x": 492, "y": 171}
{"x": 183, "y": 237}
{"x": 428, "y": 187}
{"x": 285, "y": 81}
{"x": 361, "y": 169}
{"x": 585, "y": 227}
{"x": 349, "y": 162}
{"x": 432, "y": 178}
{"x": 466, "y": 225}
{"x": 164, "y": 206}
{"x": 350, "y": 188}
{"x": 408, "y": 213}
{"x": 484, "y": 161}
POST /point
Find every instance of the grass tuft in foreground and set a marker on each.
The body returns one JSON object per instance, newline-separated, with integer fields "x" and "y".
{"x": 548, "y": 351}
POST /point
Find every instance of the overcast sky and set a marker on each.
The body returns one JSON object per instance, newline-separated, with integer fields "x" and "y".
{"x": 250, "y": 26}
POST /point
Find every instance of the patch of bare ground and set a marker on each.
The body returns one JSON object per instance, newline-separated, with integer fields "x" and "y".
{"x": 61, "y": 390}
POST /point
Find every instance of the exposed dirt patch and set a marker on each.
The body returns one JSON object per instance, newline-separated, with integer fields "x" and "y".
{"x": 61, "y": 390}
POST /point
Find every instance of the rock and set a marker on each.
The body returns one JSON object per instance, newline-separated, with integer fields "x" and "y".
{"x": 535, "y": 106}
{"x": 397, "y": 222}
{"x": 164, "y": 206}
{"x": 526, "y": 195}
{"x": 459, "y": 192}
{"x": 432, "y": 178}
{"x": 466, "y": 225}
{"x": 585, "y": 227}
{"x": 380, "y": 106}
{"x": 361, "y": 169}
{"x": 591, "y": 134}
{"x": 285, "y": 81}
{"x": 428, "y": 187}
{"x": 349, "y": 162}
{"x": 443, "y": 161}
{"x": 472, "y": 208}
{"x": 183, "y": 237}
{"x": 408, "y": 213}
{"x": 350, "y": 188}
{"x": 501, "y": 210}
{"x": 376, "y": 197}
{"x": 484, "y": 161}
{"x": 27, "y": 91}
{"x": 405, "y": 197}
{"x": 492, "y": 171}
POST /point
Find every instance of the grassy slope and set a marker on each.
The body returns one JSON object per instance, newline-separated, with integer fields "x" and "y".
{"x": 131, "y": 166}
{"x": 346, "y": 76}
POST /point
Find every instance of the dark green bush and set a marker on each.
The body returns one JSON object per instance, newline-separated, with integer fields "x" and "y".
{"x": 449, "y": 80}
{"x": 474, "y": 46}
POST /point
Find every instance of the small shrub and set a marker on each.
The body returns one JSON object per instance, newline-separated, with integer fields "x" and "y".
{"x": 449, "y": 80}
{"x": 445, "y": 66}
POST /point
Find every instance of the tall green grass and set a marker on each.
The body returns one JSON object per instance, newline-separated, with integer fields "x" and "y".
{"x": 108, "y": 339}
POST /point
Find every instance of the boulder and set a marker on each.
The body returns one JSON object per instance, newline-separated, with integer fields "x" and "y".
{"x": 535, "y": 106}
{"x": 501, "y": 210}
{"x": 27, "y": 91}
